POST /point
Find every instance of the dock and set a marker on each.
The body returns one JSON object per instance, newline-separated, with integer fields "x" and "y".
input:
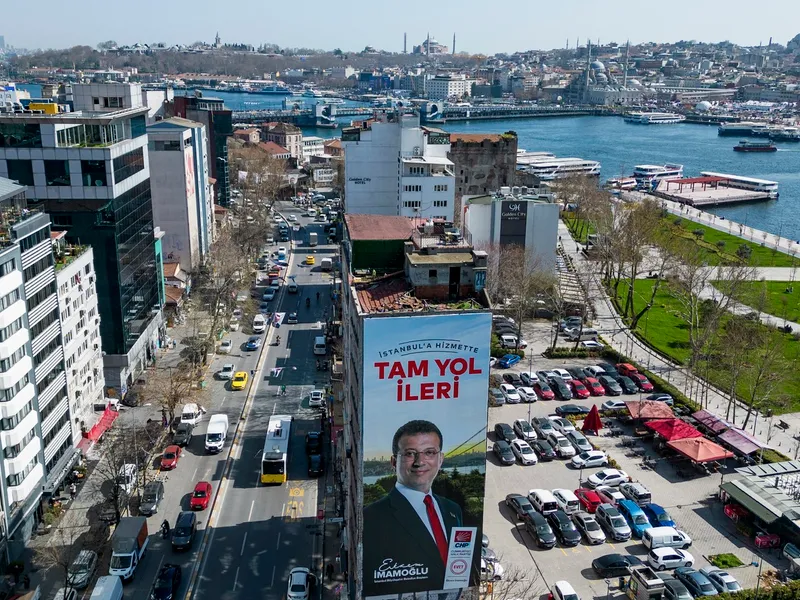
{"x": 716, "y": 189}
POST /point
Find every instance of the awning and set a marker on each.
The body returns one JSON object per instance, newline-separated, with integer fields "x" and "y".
{"x": 649, "y": 409}
{"x": 62, "y": 468}
{"x": 699, "y": 449}
{"x": 713, "y": 422}
{"x": 99, "y": 428}
{"x": 673, "y": 429}
{"x": 760, "y": 497}
{"x": 742, "y": 441}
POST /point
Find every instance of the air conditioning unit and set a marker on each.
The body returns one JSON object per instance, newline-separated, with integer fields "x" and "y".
{"x": 417, "y": 151}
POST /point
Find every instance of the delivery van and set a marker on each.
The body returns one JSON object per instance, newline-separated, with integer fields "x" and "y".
{"x": 320, "y": 346}
{"x": 108, "y": 587}
{"x": 191, "y": 414}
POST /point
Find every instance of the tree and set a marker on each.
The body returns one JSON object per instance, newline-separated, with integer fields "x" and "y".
{"x": 109, "y": 45}
{"x": 733, "y": 348}
{"x": 171, "y": 387}
{"x": 637, "y": 233}
{"x": 663, "y": 264}
{"x": 517, "y": 584}
{"x": 63, "y": 547}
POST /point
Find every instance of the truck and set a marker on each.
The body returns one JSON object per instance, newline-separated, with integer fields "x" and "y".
{"x": 326, "y": 264}
{"x": 312, "y": 238}
{"x": 216, "y": 433}
{"x": 128, "y": 545}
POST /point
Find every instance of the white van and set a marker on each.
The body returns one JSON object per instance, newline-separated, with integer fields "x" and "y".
{"x": 510, "y": 341}
{"x": 217, "y": 433}
{"x": 312, "y": 212}
{"x": 587, "y": 334}
{"x": 191, "y": 414}
{"x": 319, "y": 345}
{"x": 259, "y": 324}
{"x": 567, "y": 501}
{"x": 665, "y": 537}
{"x": 292, "y": 287}
{"x": 127, "y": 476}
{"x": 108, "y": 587}
{"x": 543, "y": 501}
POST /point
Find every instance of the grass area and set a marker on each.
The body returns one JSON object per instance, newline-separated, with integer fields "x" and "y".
{"x": 666, "y": 331}
{"x": 579, "y": 228}
{"x": 725, "y": 561}
{"x": 760, "y": 256}
{"x": 779, "y": 302}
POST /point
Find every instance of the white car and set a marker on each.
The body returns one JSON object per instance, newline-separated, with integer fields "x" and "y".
{"x": 613, "y": 405}
{"x": 612, "y": 493}
{"x": 293, "y": 217}
{"x": 591, "y": 345}
{"x": 523, "y": 452}
{"x": 595, "y": 370}
{"x": 529, "y": 377}
{"x": 510, "y": 393}
{"x": 225, "y": 347}
{"x": 278, "y": 218}
{"x": 562, "y": 590}
{"x": 585, "y": 460}
{"x": 282, "y": 250}
{"x": 722, "y": 580}
{"x": 316, "y": 399}
{"x": 227, "y": 371}
{"x": 669, "y": 558}
{"x": 527, "y": 394}
{"x": 490, "y": 571}
{"x": 564, "y": 374}
{"x": 562, "y": 425}
{"x": 299, "y": 585}
{"x": 524, "y": 430}
{"x": 492, "y": 361}
{"x": 609, "y": 477}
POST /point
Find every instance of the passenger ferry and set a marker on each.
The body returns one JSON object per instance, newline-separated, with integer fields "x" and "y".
{"x": 525, "y": 158}
{"x": 742, "y": 128}
{"x": 745, "y": 146}
{"x": 747, "y": 183}
{"x": 558, "y": 168}
{"x": 650, "y": 175}
{"x": 622, "y": 183}
{"x": 654, "y": 118}
{"x": 785, "y": 134}
{"x": 311, "y": 93}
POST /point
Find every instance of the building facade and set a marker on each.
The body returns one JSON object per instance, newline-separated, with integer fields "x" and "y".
{"x": 444, "y": 87}
{"x": 89, "y": 169}
{"x": 181, "y": 190}
{"x": 312, "y": 146}
{"x": 285, "y": 135}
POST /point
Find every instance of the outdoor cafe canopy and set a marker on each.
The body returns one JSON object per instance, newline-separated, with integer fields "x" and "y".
{"x": 649, "y": 409}
{"x": 673, "y": 429}
{"x": 699, "y": 449}
{"x": 742, "y": 441}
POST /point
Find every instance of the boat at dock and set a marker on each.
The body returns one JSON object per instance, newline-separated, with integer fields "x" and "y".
{"x": 547, "y": 168}
{"x": 743, "y": 128}
{"x": 785, "y": 134}
{"x": 745, "y": 146}
{"x": 752, "y": 184}
{"x": 525, "y": 158}
{"x": 648, "y": 176}
{"x": 654, "y": 118}
{"x": 622, "y": 183}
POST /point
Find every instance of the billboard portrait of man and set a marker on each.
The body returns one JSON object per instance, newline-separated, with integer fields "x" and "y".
{"x": 410, "y": 527}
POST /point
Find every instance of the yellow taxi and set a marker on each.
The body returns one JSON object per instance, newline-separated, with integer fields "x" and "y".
{"x": 239, "y": 380}
{"x": 310, "y": 260}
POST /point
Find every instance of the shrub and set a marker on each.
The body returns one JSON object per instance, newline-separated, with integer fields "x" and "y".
{"x": 744, "y": 251}
{"x": 725, "y": 561}
{"x": 500, "y": 352}
{"x": 678, "y": 221}
{"x": 721, "y": 244}
{"x": 698, "y": 233}
{"x": 773, "y": 456}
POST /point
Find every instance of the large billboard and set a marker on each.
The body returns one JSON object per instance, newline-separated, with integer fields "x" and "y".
{"x": 424, "y": 451}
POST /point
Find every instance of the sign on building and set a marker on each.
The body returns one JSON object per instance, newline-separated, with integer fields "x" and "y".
{"x": 513, "y": 222}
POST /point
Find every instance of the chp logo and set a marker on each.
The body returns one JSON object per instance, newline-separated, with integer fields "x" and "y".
{"x": 463, "y": 539}
{"x": 458, "y": 567}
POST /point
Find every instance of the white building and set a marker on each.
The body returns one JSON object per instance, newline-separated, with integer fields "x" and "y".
{"x": 514, "y": 216}
{"x": 80, "y": 332}
{"x": 398, "y": 168}
{"x": 313, "y": 146}
{"x": 182, "y": 192}
{"x": 444, "y": 87}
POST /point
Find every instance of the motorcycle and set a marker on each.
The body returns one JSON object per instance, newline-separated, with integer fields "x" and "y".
{"x": 308, "y": 302}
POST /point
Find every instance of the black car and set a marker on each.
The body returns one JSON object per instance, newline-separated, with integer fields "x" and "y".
{"x": 577, "y": 373}
{"x": 560, "y": 389}
{"x": 571, "y": 409}
{"x": 627, "y": 384}
{"x": 503, "y": 431}
{"x": 544, "y": 451}
{"x": 615, "y": 565}
{"x": 313, "y": 443}
{"x": 167, "y": 583}
{"x": 564, "y": 528}
{"x": 151, "y": 497}
{"x": 504, "y": 452}
{"x": 315, "y": 465}
{"x": 513, "y": 379}
{"x": 291, "y": 318}
{"x": 540, "y": 530}
{"x": 520, "y": 505}
{"x": 183, "y": 434}
{"x": 610, "y": 385}
{"x": 608, "y": 368}
{"x": 674, "y": 589}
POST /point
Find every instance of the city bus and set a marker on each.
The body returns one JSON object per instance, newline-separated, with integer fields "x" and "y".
{"x": 275, "y": 458}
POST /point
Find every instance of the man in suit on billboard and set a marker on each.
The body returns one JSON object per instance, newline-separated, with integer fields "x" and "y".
{"x": 407, "y": 532}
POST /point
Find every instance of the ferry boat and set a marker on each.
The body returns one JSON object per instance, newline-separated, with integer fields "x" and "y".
{"x": 765, "y": 186}
{"x": 276, "y": 89}
{"x": 742, "y": 128}
{"x": 547, "y": 169}
{"x": 525, "y": 158}
{"x": 745, "y": 146}
{"x": 650, "y": 175}
{"x": 310, "y": 93}
{"x": 785, "y": 134}
{"x": 654, "y": 118}
{"x": 622, "y": 183}
{"x": 333, "y": 101}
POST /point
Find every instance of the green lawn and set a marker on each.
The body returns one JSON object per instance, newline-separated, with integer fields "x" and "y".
{"x": 779, "y": 302}
{"x": 667, "y": 332}
{"x": 760, "y": 255}
{"x": 575, "y": 224}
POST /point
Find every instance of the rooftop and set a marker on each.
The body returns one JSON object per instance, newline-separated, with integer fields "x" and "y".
{"x": 429, "y": 160}
{"x": 475, "y": 138}
{"x": 84, "y": 117}
{"x": 392, "y": 293}
{"x": 178, "y": 122}
{"x": 272, "y": 148}
{"x": 446, "y": 258}
{"x": 9, "y": 189}
{"x": 378, "y": 227}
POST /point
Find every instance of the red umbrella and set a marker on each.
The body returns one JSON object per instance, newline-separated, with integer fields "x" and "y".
{"x": 592, "y": 422}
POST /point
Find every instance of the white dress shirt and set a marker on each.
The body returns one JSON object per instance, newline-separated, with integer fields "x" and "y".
{"x": 417, "y": 501}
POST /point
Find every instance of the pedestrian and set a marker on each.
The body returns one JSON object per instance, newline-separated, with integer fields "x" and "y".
{"x": 73, "y": 490}
{"x": 329, "y": 571}
{"x": 27, "y": 581}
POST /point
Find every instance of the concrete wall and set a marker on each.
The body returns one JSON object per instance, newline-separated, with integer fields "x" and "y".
{"x": 371, "y": 171}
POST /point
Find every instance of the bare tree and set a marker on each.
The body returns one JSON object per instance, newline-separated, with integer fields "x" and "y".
{"x": 118, "y": 449}
{"x": 733, "y": 347}
{"x": 517, "y": 584}
{"x": 63, "y": 547}
{"x": 638, "y": 227}
{"x": 170, "y": 387}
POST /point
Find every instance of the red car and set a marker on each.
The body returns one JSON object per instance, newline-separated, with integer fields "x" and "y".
{"x": 543, "y": 391}
{"x": 641, "y": 382}
{"x": 578, "y": 389}
{"x": 594, "y": 387}
{"x": 169, "y": 460}
{"x": 626, "y": 369}
{"x": 589, "y": 499}
{"x": 200, "y": 496}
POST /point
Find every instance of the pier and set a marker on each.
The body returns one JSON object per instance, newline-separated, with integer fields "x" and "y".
{"x": 716, "y": 189}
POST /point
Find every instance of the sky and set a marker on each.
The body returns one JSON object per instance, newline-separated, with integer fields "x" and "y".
{"x": 481, "y": 27}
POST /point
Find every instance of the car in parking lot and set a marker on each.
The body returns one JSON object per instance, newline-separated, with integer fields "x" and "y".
{"x": 636, "y": 492}
{"x": 564, "y": 528}
{"x": 564, "y": 374}
{"x": 576, "y": 372}
{"x": 658, "y": 516}
{"x": 528, "y": 377}
{"x": 496, "y": 397}
{"x": 523, "y": 452}
{"x": 200, "y": 496}
{"x": 594, "y": 370}
{"x": 560, "y": 388}
{"x": 591, "y": 345}
{"x": 658, "y": 397}
{"x": 614, "y": 523}
{"x": 546, "y": 375}
{"x": 569, "y": 322}
{"x": 615, "y": 565}
{"x": 539, "y": 529}
{"x": 543, "y": 391}
{"x": 508, "y": 360}
{"x": 239, "y": 381}
{"x": 641, "y": 382}
{"x": 527, "y": 394}
{"x": 669, "y": 558}
{"x": 521, "y": 506}
{"x": 626, "y": 369}
{"x": 610, "y": 385}
{"x": 608, "y": 368}
{"x": 696, "y": 582}
{"x": 543, "y": 426}
{"x": 502, "y": 450}
{"x": 524, "y": 430}
{"x": 503, "y": 431}
{"x": 635, "y": 517}
{"x": 579, "y": 442}
{"x": 609, "y": 477}
{"x": 610, "y": 405}
{"x": 609, "y": 495}
{"x": 589, "y": 527}
{"x": 627, "y": 384}
{"x": 561, "y": 445}
{"x": 510, "y": 393}
{"x": 562, "y": 590}
{"x": 253, "y": 343}
{"x": 571, "y": 409}
{"x": 589, "y": 458}
{"x": 513, "y": 379}
{"x": 594, "y": 387}
{"x": 674, "y": 589}
{"x": 544, "y": 451}
{"x": 561, "y": 425}
{"x": 723, "y": 581}
{"x": 588, "y": 499}
{"x": 167, "y": 582}
{"x": 578, "y": 389}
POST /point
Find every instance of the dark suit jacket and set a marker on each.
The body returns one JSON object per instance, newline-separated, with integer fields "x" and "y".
{"x": 393, "y": 530}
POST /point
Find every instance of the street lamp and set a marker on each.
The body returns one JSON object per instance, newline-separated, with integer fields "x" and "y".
{"x": 608, "y": 589}
{"x": 580, "y": 479}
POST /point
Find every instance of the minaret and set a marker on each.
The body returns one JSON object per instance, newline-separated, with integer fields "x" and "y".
{"x": 588, "y": 67}
{"x": 428, "y": 45}
{"x": 454, "y": 43}
{"x": 625, "y": 72}
{"x": 217, "y": 41}
{"x": 405, "y": 41}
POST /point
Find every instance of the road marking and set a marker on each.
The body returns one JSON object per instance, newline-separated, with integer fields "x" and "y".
{"x": 296, "y": 492}
{"x": 236, "y": 579}
{"x": 250, "y": 515}
{"x": 562, "y": 551}
{"x": 278, "y": 545}
{"x": 272, "y": 581}
{"x": 223, "y": 401}
{"x": 244, "y": 541}
{"x": 194, "y": 476}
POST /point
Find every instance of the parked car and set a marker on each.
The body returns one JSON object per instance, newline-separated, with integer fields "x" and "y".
{"x": 523, "y": 452}
{"x": 201, "y": 496}
{"x": 183, "y": 434}
{"x": 510, "y": 393}
{"x": 579, "y": 442}
{"x": 539, "y": 529}
{"x": 669, "y": 558}
{"x": 513, "y": 379}
{"x": 576, "y": 372}
{"x": 636, "y": 492}
{"x": 634, "y": 516}
{"x": 610, "y": 405}
{"x": 594, "y": 387}
{"x": 591, "y": 345}
{"x": 528, "y": 377}
{"x": 608, "y": 368}
{"x": 626, "y": 369}
{"x": 151, "y": 497}
{"x": 561, "y": 389}
{"x": 696, "y": 582}
{"x": 578, "y": 389}
{"x": 564, "y": 528}
{"x": 524, "y": 430}
{"x": 569, "y": 322}
{"x": 609, "y": 477}
{"x": 562, "y": 590}
{"x": 641, "y": 382}
{"x": 674, "y": 589}
{"x": 594, "y": 370}
{"x": 508, "y": 360}
{"x": 627, "y": 385}
{"x": 521, "y": 506}
{"x": 81, "y": 570}
{"x": 503, "y": 451}
{"x": 669, "y": 400}
{"x": 571, "y": 409}
{"x": 561, "y": 445}
{"x": 589, "y": 527}
{"x": 546, "y": 375}
{"x": 590, "y": 458}
{"x": 723, "y": 581}
{"x": 544, "y": 451}
{"x": 609, "y": 495}
{"x": 496, "y": 397}
{"x": 543, "y": 426}
{"x": 503, "y": 431}
{"x": 615, "y": 565}
{"x": 613, "y": 522}
{"x": 527, "y": 394}
{"x": 658, "y": 516}
{"x": 543, "y": 391}
{"x": 588, "y": 499}
{"x": 610, "y": 385}
{"x": 564, "y": 374}
{"x": 562, "y": 425}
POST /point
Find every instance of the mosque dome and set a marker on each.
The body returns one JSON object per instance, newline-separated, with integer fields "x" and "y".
{"x": 597, "y": 66}
{"x": 703, "y": 106}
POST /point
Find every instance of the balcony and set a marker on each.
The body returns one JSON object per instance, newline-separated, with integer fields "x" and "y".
{"x": 16, "y": 435}
{"x": 20, "y": 461}
{"x": 20, "y": 493}
{"x": 13, "y": 312}
{"x": 14, "y": 343}
{"x": 9, "y": 378}
{"x": 10, "y": 408}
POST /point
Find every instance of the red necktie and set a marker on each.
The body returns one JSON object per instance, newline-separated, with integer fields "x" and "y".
{"x": 436, "y": 526}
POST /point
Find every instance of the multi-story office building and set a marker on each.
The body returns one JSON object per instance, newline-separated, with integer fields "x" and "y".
{"x": 396, "y": 167}
{"x": 182, "y": 205}
{"x": 444, "y": 87}
{"x": 312, "y": 146}
{"x": 89, "y": 170}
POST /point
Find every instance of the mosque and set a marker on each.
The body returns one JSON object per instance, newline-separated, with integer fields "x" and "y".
{"x": 595, "y": 85}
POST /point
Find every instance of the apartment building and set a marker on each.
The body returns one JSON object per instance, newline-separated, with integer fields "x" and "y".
{"x": 285, "y": 135}
{"x": 444, "y": 87}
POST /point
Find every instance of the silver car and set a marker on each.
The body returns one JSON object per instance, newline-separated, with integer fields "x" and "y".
{"x": 589, "y": 527}
{"x": 613, "y": 522}
{"x": 579, "y": 442}
{"x": 82, "y": 568}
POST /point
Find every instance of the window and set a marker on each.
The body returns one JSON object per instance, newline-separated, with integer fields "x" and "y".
{"x": 7, "y": 395}
{"x": 41, "y": 296}
{"x": 93, "y": 173}
{"x": 44, "y": 324}
{"x": 164, "y": 146}
{"x": 413, "y": 188}
{"x": 18, "y": 478}
{"x": 62, "y": 221}
{"x": 411, "y": 203}
{"x": 440, "y": 188}
{"x": 112, "y": 102}
{"x": 13, "y": 451}
{"x": 19, "y": 135}
{"x": 38, "y": 237}
{"x": 128, "y": 164}
{"x": 432, "y": 273}
{"x": 21, "y": 171}
{"x": 10, "y": 329}
{"x": 9, "y": 362}
{"x": 56, "y": 172}
{"x": 138, "y": 126}
{"x": 45, "y": 411}
{"x": 9, "y": 299}
{"x": 11, "y": 422}
{"x": 45, "y": 352}
{"x": 56, "y": 428}
{"x": 8, "y": 267}
{"x": 40, "y": 266}
{"x": 440, "y": 203}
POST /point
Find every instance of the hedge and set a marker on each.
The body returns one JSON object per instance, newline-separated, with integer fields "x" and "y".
{"x": 786, "y": 591}
{"x": 571, "y": 353}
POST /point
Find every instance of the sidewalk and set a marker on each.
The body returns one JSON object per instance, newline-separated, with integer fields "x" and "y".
{"x": 334, "y": 511}
{"x": 616, "y": 334}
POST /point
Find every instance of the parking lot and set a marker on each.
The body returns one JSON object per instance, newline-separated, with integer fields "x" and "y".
{"x": 690, "y": 501}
